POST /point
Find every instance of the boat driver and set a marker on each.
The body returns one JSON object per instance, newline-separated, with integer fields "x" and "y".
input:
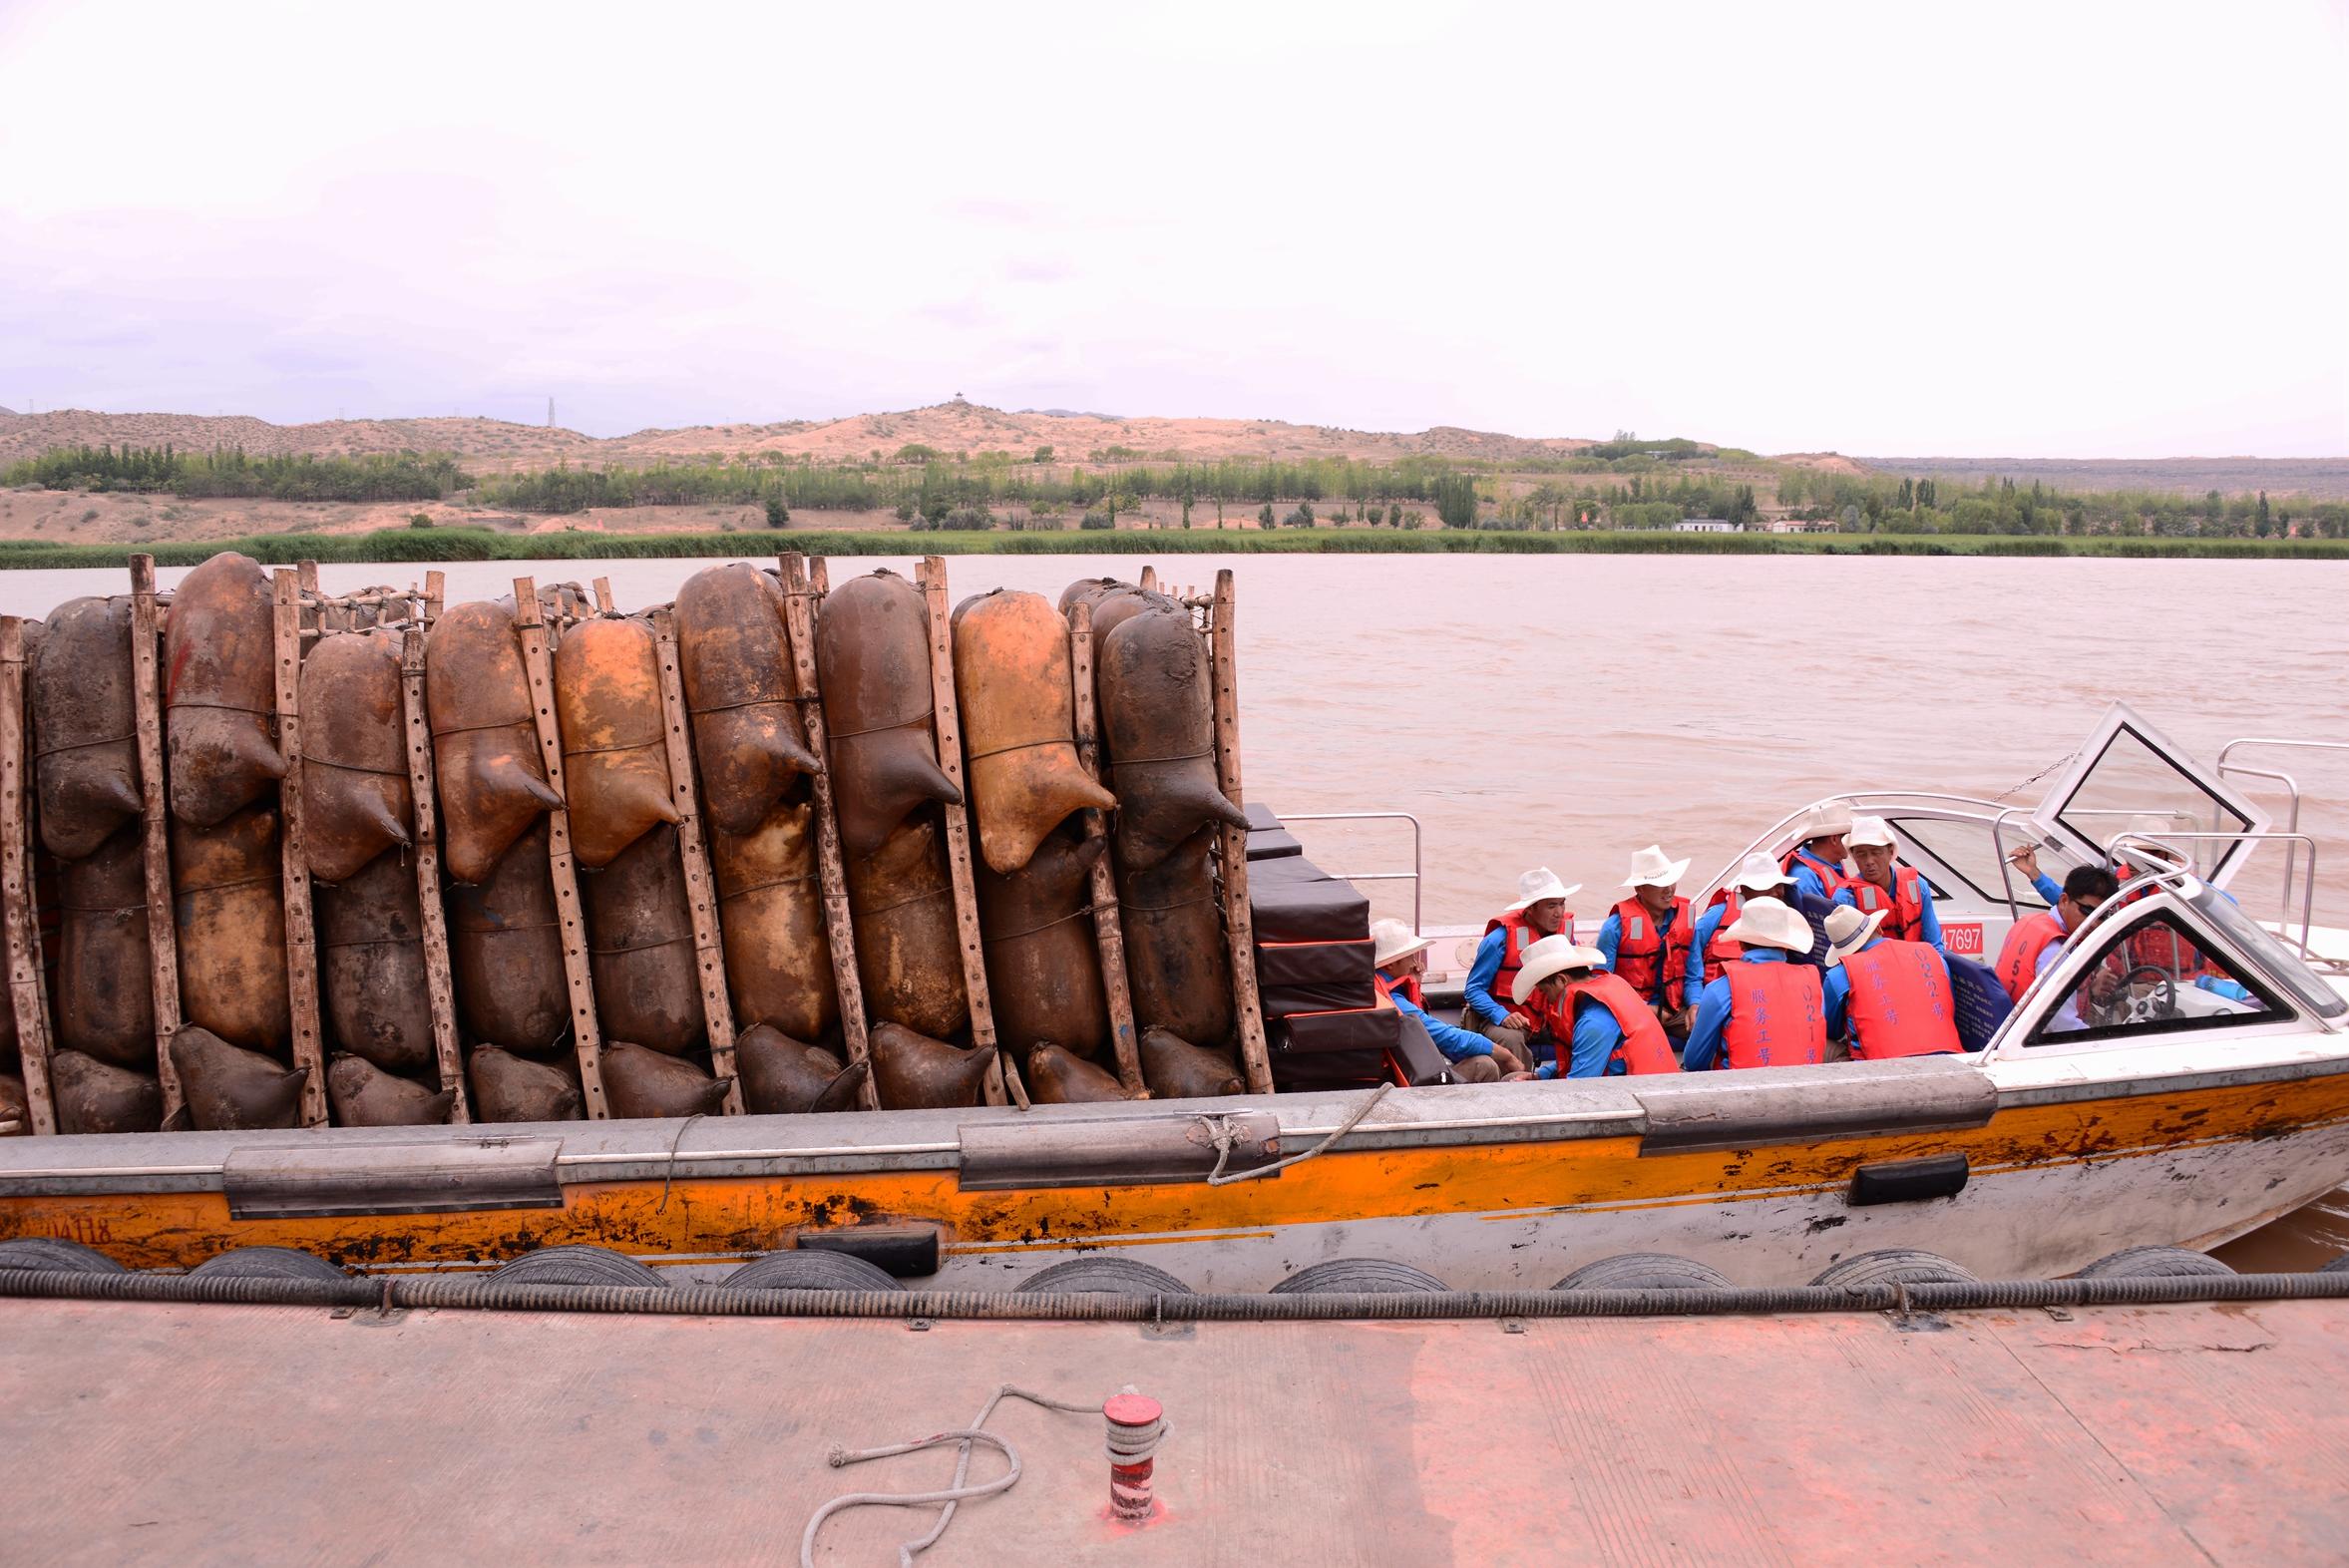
{"x": 2036, "y": 939}
{"x": 1540, "y": 911}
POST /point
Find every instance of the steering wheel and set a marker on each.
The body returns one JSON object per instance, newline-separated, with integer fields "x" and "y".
{"x": 2157, "y": 1005}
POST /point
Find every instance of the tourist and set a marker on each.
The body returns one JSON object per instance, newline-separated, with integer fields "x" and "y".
{"x": 1595, "y": 1024}
{"x": 1400, "y": 958}
{"x": 1540, "y": 911}
{"x": 1758, "y": 875}
{"x": 1885, "y": 885}
{"x": 1817, "y": 860}
{"x": 1886, "y": 996}
{"x": 1647, "y": 940}
{"x": 1768, "y": 1010}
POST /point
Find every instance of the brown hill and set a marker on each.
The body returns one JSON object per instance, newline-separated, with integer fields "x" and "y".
{"x": 955, "y": 426}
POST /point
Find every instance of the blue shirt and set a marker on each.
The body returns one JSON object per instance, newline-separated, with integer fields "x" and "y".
{"x": 1928, "y": 924}
{"x": 1691, "y": 973}
{"x": 1591, "y": 1054}
{"x": 1481, "y": 974}
{"x": 1454, "y": 1041}
{"x": 1706, "y": 1036}
{"x": 1811, "y": 875}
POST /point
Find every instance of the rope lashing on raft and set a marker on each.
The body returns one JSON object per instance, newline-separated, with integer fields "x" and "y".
{"x": 1225, "y": 1136}
{"x": 1125, "y": 1446}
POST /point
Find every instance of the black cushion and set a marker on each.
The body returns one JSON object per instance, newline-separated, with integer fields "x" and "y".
{"x": 1293, "y": 899}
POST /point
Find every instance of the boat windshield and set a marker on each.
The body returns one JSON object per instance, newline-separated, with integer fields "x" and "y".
{"x": 2260, "y": 945}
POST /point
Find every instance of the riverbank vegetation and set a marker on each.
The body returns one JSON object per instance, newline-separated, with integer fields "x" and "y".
{"x": 429, "y": 545}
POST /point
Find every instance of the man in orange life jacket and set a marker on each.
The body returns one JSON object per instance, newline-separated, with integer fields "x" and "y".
{"x": 1816, "y": 862}
{"x": 2036, "y": 939}
{"x": 1767, "y": 1009}
{"x": 1884, "y": 883}
{"x": 1646, "y": 940}
{"x": 1400, "y": 958}
{"x": 1885, "y": 997}
{"x": 1595, "y": 1023}
{"x": 1758, "y": 875}
{"x": 1540, "y": 911}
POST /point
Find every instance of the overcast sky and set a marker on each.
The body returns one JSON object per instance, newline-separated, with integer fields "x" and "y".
{"x": 2032, "y": 230}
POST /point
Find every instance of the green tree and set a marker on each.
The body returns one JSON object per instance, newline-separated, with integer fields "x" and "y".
{"x": 1455, "y": 500}
{"x": 1264, "y": 517}
{"x": 778, "y": 514}
{"x": 1044, "y": 454}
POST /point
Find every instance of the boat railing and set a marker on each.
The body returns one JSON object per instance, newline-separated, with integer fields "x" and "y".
{"x": 2147, "y": 848}
{"x": 1416, "y": 876}
{"x": 2292, "y": 795}
{"x": 1858, "y": 798}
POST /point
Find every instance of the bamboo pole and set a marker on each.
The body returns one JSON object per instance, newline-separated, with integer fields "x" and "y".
{"x": 22, "y": 920}
{"x": 440, "y": 989}
{"x": 603, "y": 595}
{"x": 163, "y": 935}
{"x": 578, "y": 980}
{"x": 830, "y": 874}
{"x": 1239, "y": 925}
{"x": 1108, "y": 926}
{"x": 1148, "y": 581}
{"x": 302, "y": 929}
{"x": 709, "y": 949}
{"x": 434, "y": 582}
{"x": 946, "y": 718}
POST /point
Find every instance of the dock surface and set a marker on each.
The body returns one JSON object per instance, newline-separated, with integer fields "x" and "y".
{"x": 195, "y": 1434}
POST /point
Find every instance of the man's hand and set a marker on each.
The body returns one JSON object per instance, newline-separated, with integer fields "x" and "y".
{"x": 1506, "y": 1059}
{"x": 1682, "y": 1020}
{"x": 2026, "y": 861}
{"x": 1518, "y": 1021}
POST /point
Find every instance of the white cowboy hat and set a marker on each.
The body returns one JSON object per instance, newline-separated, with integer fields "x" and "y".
{"x": 1539, "y": 884}
{"x": 1849, "y": 931}
{"x": 1823, "y": 822}
{"x": 1651, "y": 868}
{"x": 1870, "y": 830}
{"x": 1392, "y": 942}
{"x": 1546, "y": 958}
{"x": 1757, "y": 873}
{"x": 1769, "y": 923}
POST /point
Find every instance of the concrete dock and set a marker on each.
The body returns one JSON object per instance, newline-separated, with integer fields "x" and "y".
{"x": 196, "y": 1435}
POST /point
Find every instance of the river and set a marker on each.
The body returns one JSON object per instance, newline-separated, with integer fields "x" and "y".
{"x": 1564, "y": 710}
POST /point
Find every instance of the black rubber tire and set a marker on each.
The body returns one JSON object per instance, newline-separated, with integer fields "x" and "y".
{"x": 56, "y": 1255}
{"x": 1105, "y": 1276}
{"x": 2154, "y": 1262}
{"x": 2339, "y": 1265}
{"x": 808, "y": 1269}
{"x": 1895, "y": 1265}
{"x": 1336, "y": 1276}
{"x": 574, "y": 1265}
{"x": 1645, "y": 1270}
{"x": 266, "y": 1263}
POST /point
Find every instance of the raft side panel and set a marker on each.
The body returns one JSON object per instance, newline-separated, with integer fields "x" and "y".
{"x": 162, "y": 930}
{"x": 446, "y": 1177}
{"x": 438, "y": 985}
{"x": 301, "y": 928}
{"x": 1232, "y": 842}
{"x": 709, "y": 949}
{"x": 1108, "y": 929}
{"x": 25, "y": 995}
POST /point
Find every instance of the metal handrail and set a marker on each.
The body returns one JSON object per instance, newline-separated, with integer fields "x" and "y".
{"x": 1416, "y": 876}
{"x": 2307, "y": 889}
{"x": 2291, "y": 787}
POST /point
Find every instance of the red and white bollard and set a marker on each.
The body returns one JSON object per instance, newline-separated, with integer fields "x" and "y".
{"x": 1136, "y": 1422}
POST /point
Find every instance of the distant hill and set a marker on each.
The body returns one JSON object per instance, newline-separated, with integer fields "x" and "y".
{"x": 2318, "y": 479}
{"x": 7, "y": 413}
{"x": 958, "y": 426}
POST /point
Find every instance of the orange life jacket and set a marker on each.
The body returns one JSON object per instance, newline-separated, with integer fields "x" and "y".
{"x": 1641, "y": 949}
{"x": 1906, "y": 901}
{"x": 1643, "y": 1047}
{"x": 1521, "y": 937}
{"x": 1900, "y": 1004}
{"x": 1719, "y": 949}
{"x": 1778, "y": 1014}
{"x": 2158, "y": 945}
{"x": 2018, "y": 955}
{"x": 1406, "y": 987}
{"x": 1830, "y": 878}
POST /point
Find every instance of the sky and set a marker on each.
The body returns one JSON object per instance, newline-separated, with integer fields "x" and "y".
{"x": 1983, "y": 229}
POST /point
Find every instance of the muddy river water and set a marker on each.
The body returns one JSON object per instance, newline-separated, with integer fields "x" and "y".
{"x": 1564, "y": 710}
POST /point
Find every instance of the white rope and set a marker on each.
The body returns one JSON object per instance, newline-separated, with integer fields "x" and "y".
{"x": 1225, "y": 1136}
{"x": 954, "y": 1492}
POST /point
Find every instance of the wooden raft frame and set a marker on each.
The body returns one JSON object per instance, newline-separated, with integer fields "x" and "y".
{"x": 439, "y": 986}
{"x": 302, "y": 929}
{"x": 28, "y": 1000}
{"x": 147, "y": 620}
{"x": 1108, "y": 924}
{"x": 799, "y": 618}
{"x": 1231, "y": 842}
{"x": 530, "y": 626}
{"x": 709, "y": 949}
{"x": 946, "y": 718}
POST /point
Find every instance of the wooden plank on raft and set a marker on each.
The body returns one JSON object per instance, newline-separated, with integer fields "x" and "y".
{"x": 709, "y": 949}
{"x": 1108, "y": 926}
{"x": 163, "y": 931}
{"x": 302, "y": 929}
{"x": 22, "y": 921}
{"x": 439, "y": 988}
{"x": 946, "y": 717}
{"x": 798, "y": 626}
{"x": 530, "y": 626}
{"x": 1231, "y": 842}
{"x": 434, "y": 583}
{"x": 1148, "y": 581}
{"x": 603, "y": 600}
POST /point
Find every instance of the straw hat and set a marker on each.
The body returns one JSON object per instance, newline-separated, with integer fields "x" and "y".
{"x": 1870, "y": 830}
{"x": 1849, "y": 931}
{"x": 1539, "y": 884}
{"x": 1393, "y": 941}
{"x": 1823, "y": 822}
{"x": 1651, "y": 868}
{"x": 1546, "y": 958}
{"x": 1757, "y": 873}
{"x": 1768, "y": 922}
